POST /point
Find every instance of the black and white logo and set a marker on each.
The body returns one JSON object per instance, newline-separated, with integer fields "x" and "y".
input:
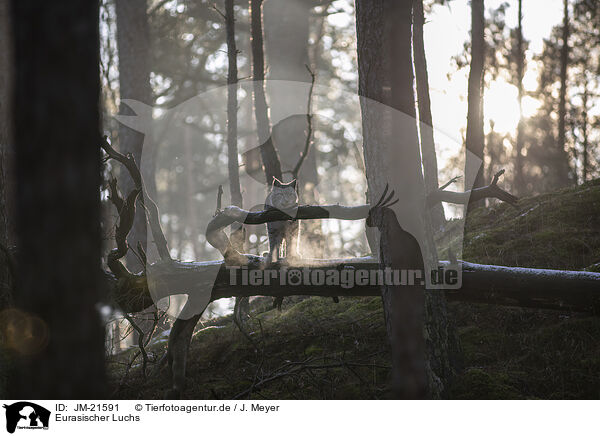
{"x": 26, "y": 415}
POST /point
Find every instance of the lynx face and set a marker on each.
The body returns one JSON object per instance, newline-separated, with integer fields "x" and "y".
{"x": 283, "y": 195}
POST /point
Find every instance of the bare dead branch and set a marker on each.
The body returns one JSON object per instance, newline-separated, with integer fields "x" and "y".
{"x": 222, "y": 14}
{"x": 114, "y": 195}
{"x": 147, "y": 203}
{"x": 219, "y": 198}
{"x": 126, "y": 210}
{"x": 490, "y": 191}
{"x": 125, "y": 375}
{"x": 449, "y": 182}
{"x": 141, "y": 344}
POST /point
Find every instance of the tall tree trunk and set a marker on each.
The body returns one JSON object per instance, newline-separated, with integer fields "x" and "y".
{"x": 133, "y": 44}
{"x": 404, "y": 305}
{"x": 5, "y": 146}
{"x": 268, "y": 153}
{"x": 286, "y": 45}
{"x": 562, "y": 164}
{"x": 190, "y": 191}
{"x": 58, "y": 335}
{"x": 5, "y": 179}
{"x": 585, "y": 133}
{"x": 386, "y": 76}
{"x": 475, "y": 137}
{"x": 520, "y": 69}
{"x": 430, "y": 167}
{"x": 235, "y": 191}
{"x": 232, "y": 108}
{"x": 237, "y": 230}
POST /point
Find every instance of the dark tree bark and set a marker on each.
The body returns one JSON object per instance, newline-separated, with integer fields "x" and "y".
{"x": 385, "y": 75}
{"x": 237, "y": 231}
{"x": 133, "y": 44}
{"x": 286, "y": 46}
{"x": 268, "y": 153}
{"x": 520, "y": 69}
{"x": 369, "y": 38}
{"x": 5, "y": 147}
{"x": 59, "y": 339}
{"x": 562, "y": 164}
{"x": 430, "y": 167}
{"x": 190, "y": 190}
{"x": 585, "y": 132}
{"x": 475, "y": 136}
{"x": 232, "y": 107}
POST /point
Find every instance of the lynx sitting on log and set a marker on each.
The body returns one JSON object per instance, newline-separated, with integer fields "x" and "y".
{"x": 283, "y": 235}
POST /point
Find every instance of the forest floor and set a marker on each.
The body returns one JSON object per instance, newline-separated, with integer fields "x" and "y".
{"x": 316, "y": 349}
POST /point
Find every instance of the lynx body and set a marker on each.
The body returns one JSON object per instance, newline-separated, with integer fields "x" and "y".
{"x": 282, "y": 234}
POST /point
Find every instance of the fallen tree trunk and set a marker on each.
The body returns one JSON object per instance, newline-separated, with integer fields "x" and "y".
{"x": 576, "y": 291}
{"x": 521, "y": 287}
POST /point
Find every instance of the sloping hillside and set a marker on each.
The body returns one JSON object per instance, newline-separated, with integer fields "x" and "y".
{"x": 316, "y": 349}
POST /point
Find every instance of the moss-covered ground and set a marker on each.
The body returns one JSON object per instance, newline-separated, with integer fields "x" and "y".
{"x": 316, "y": 349}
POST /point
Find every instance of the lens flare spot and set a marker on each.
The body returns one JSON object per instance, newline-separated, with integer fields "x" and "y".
{"x": 25, "y": 333}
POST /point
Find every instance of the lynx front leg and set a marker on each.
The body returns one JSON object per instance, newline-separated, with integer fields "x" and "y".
{"x": 275, "y": 239}
{"x": 276, "y": 236}
{"x": 292, "y": 240}
{"x": 179, "y": 343}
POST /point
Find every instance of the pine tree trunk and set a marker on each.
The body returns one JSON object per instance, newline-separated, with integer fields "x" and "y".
{"x": 562, "y": 163}
{"x": 286, "y": 47}
{"x": 430, "y": 167}
{"x": 268, "y": 153}
{"x": 232, "y": 108}
{"x": 133, "y": 44}
{"x": 386, "y": 76}
{"x": 235, "y": 192}
{"x": 6, "y": 77}
{"x": 58, "y": 169}
{"x": 585, "y": 133}
{"x": 519, "y": 182}
{"x": 475, "y": 137}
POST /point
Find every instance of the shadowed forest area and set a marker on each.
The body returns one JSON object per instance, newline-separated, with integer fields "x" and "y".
{"x": 162, "y": 160}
